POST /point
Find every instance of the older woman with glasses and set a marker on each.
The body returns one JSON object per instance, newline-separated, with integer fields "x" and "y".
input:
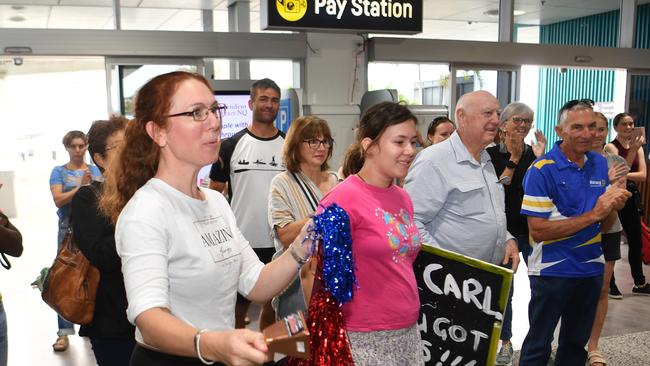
{"x": 294, "y": 194}
{"x": 511, "y": 159}
{"x": 65, "y": 181}
{"x": 629, "y": 145}
{"x": 110, "y": 333}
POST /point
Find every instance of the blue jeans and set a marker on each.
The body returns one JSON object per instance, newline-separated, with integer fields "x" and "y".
{"x": 65, "y": 327}
{"x": 506, "y": 326}
{"x": 572, "y": 299}
{"x": 3, "y": 335}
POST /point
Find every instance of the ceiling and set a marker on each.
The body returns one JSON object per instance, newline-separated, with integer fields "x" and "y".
{"x": 443, "y": 19}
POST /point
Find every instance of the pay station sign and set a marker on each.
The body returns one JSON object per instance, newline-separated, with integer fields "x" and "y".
{"x": 375, "y": 16}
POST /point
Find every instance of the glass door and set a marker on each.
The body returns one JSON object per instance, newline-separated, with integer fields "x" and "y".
{"x": 500, "y": 81}
{"x": 126, "y": 75}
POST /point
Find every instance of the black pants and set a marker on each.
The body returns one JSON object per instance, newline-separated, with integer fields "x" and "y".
{"x": 112, "y": 352}
{"x": 631, "y": 221}
{"x": 146, "y": 357}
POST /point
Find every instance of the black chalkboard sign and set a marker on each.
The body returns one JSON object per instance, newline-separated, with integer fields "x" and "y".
{"x": 462, "y": 301}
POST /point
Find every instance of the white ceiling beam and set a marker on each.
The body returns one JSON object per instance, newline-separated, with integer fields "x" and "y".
{"x": 504, "y": 53}
{"x": 51, "y": 42}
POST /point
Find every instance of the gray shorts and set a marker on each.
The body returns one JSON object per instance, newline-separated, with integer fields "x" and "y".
{"x": 387, "y": 347}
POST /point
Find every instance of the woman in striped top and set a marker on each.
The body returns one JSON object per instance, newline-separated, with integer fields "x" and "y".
{"x": 295, "y": 193}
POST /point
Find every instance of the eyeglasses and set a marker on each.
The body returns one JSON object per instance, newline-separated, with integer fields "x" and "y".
{"x": 315, "y": 143}
{"x": 200, "y": 114}
{"x": 519, "y": 120}
{"x": 114, "y": 146}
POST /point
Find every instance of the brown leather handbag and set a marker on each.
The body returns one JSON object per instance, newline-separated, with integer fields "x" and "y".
{"x": 71, "y": 284}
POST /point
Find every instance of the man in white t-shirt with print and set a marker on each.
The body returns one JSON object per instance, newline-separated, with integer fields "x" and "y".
{"x": 248, "y": 161}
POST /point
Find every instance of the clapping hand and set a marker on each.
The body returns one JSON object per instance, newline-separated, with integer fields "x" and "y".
{"x": 540, "y": 145}
{"x": 617, "y": 172}
{"x": 87, "y": 178}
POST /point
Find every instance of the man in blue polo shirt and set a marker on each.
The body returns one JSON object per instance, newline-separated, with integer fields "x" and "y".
{"x": 565, "y": 199}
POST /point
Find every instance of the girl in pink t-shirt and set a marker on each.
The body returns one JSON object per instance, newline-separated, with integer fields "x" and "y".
{"x": 381, "y": 317}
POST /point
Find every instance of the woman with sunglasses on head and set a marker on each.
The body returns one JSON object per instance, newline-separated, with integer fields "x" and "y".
{"x": 629, "y": 145}
{"x": 183, "y": 257}
{"x": 294, "y": 195}
{"x": 65, "y": 181}
{"x": 385, "y": 241}
{"x": 511, "y": 159}
{"x": 111, "y": 335}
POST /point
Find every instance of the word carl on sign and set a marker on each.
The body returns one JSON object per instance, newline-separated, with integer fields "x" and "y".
{"x": 462, "y": 303}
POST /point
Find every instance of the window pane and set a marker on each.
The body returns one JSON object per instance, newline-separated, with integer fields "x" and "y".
{"x": 574, "y": 22}
{"x": 417, "y": 83}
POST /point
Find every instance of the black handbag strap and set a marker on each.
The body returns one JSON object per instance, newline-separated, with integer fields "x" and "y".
{"x": 4, "y": 261}
{"x": 311, "y": 197}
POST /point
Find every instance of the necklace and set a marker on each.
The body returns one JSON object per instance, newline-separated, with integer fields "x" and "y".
{"x": 360, "y": 177}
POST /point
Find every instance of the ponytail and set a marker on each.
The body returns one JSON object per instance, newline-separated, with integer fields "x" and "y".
{"x": 354, "y": 159}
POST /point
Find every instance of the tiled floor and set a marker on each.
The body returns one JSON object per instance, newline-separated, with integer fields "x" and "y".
{"x": 32, "y": 325}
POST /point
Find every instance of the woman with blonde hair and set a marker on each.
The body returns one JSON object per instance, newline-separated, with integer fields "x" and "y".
{"x": 183, "y": 257}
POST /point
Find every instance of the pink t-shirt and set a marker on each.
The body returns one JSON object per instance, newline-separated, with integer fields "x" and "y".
{"x": 385, "y": 242}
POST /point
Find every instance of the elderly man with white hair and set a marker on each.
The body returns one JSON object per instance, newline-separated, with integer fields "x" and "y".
{"x": 457, "y": 200}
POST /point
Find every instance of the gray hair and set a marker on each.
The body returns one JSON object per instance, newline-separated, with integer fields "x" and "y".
{"x": 564, "y": 112}
{"x": 515, "y": 108}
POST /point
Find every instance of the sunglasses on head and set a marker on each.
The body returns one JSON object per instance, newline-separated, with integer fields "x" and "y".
{"x": 572, "y": 103}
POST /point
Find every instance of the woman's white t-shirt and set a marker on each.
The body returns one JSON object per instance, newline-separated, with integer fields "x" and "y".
{"x": 185, "y": 255}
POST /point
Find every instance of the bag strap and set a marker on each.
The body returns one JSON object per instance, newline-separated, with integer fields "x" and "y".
{"x": 311, "y": 197}
{"x": 4, "y": 261}
{"x": 4, "y": 221}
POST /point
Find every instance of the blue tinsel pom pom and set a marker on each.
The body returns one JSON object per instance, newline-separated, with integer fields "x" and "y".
{"x": 332, "y": 226}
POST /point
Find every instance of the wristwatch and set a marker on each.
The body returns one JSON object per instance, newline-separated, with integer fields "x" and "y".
{"x": 511, "y": 164}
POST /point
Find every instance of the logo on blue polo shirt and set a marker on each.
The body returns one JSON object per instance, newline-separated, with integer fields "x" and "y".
{"x": 597, "y": 183}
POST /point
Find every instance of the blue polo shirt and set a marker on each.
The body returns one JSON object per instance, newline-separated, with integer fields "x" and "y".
{"x": 556, "y": 189}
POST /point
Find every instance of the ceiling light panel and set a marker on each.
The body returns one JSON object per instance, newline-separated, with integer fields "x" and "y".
{"x": 181, "y": 4}
{"x": 35, "y": 16}
{"x": 81, "y": 17}
{"x": 99, "y": 3}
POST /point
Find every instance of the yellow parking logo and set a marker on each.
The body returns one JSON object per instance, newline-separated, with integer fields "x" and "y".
{"x": 291, "y": 10}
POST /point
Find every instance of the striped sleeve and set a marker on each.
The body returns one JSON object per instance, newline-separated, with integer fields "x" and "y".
{"x": 537, "y": 201}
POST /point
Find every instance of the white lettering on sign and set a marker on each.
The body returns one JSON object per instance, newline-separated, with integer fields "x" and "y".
{"x": 381, "y": 8}
{"x": 471, "y": 290}
{"x": 442, "y": 328}
{"x": 369, "y": 8}
{"x": 332, "y": 7}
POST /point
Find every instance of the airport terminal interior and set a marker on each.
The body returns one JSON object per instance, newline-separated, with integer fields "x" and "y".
{"x": 67, "y": 63}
